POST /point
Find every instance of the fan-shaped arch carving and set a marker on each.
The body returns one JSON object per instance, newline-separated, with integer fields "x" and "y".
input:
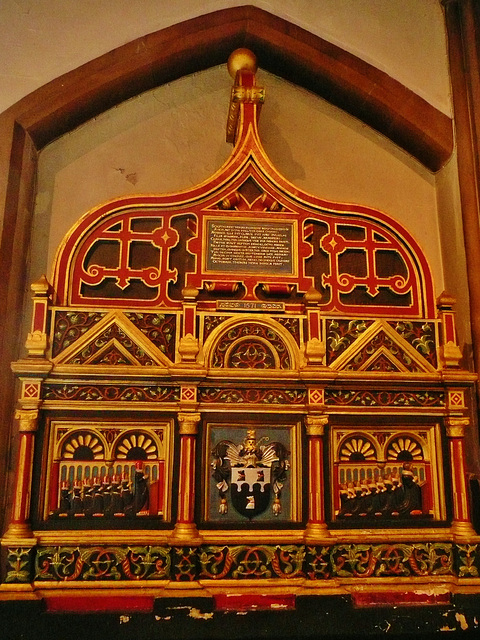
{"x": 357, "y": 448}
{"x": 136, "y": 445}
{"x": 251, "y": 353}
{"x": 404, "y": 448}
{"x": 82, "y": 445}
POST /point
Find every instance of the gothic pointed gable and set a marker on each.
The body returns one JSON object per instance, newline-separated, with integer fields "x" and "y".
{"x": 114, "y": 340}
{"x": 113, "y": 353}
{"x": 379, "y": 348}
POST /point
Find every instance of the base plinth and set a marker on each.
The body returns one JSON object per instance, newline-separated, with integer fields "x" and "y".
{"x": 185, "y": 534}
{"x": 20, "y": 535}
{"x": 464, "y": 531}
{"x": 317, "y": 532}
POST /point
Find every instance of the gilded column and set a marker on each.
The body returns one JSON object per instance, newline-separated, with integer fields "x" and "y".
{"x": 316, "y": 529}
{"x": 185, "y": 531}
{"x": 37, "y": 341}
{"x": 20, "y": 528}
{"x": 188, "y": 347}
{"x": 461, "y": 523}
{"x": 315, "y": 346}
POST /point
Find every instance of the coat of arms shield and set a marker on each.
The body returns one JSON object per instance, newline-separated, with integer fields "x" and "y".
{"x": 250, "y": 490}
{"x": 252, "y": 471}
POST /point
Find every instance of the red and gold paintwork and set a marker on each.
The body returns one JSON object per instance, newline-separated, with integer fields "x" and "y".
{"x": 338, "y": 347}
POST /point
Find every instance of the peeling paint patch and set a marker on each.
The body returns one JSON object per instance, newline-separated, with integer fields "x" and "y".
{"x": 132, "y": 178}
{"x": 124, "y": 619}
{"x": 462, "y": 620}
{"x": 254, "y": 602}
{"x": 193, "y": 612}
{"x": 129, "y": 177}
{"x": 432, "y": 591}
{"x": 447, "y": 628}
{"x": 163, "y": 617}
{"x": 198, "y": 615}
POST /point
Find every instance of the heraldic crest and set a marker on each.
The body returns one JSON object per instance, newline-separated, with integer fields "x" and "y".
{"x": 252, "y": 471}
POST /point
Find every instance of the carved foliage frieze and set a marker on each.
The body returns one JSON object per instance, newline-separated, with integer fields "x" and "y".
{"x": 249, "y": 395}
{"x": 71, "y": 325}
{"x": 282, "y": 562}
{"x": 398, "y": 399}
{"x": 70, "y": 392}
{"x": 114, "y": 338}
{"x": 68, "y": 564}
{"x": 251, "y": 345}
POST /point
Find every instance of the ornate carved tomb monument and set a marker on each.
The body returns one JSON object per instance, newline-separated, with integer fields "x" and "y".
{"x": 237, "y": 386}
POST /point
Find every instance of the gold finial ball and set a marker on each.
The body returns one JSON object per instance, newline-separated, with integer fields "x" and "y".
{"x": 241, "y": 59}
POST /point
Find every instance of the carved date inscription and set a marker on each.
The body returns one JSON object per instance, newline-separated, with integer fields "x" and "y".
{"x": 250, "y": 247}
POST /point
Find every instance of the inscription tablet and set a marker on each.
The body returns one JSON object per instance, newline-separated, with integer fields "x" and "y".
{"x": 250, "y": 247}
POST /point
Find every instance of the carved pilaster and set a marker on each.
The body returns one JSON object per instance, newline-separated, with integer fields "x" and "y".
{"x": 450, "y": 353}
{"x": 456, "y": 427}
{"x": 185, "y": 531}
{"x": 188, "y": 346}
{"x": 27, "y": 420}
{"x": 37, "y": 341}
{"x": 316, "y": 528}
{"x": 19, "y": 529}
{"x": 315, "y": 425}
{"x": 461, "y": 523}
{"x": 315, "y": 346}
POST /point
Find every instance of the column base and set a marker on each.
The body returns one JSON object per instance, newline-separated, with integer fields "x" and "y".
{"x": 463, "y": 530}
{"x": 19, "y": 534}
{"x": 317, "y": 532}
{"x": 185, "y": 533}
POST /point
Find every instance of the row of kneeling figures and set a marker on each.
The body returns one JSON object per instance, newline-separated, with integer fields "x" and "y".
{"x": 111, "y": 496}
{"x": 390, "y": 496}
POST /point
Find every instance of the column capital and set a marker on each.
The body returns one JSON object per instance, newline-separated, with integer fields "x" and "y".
{"x": 456, "y": 427}
{"x": 28, "y": 419}
{"x": 188, "y": 423}
{"x": 315, "y": 424}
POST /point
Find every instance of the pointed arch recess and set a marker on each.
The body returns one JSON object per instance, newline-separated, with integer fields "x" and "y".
{"x": 281, "y": 47}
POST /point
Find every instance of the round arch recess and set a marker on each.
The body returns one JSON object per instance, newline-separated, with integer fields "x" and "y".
{"x": 281, "y": 47}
